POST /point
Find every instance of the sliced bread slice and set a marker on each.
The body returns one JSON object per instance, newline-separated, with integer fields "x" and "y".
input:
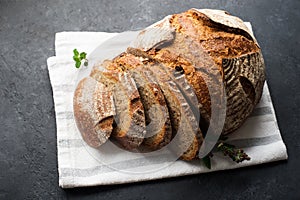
{"x": 158, "y": 125}
{"x": 184, "y": 122}
{"x": 130, "y": 129}
{"x": 187, "y": 135}
{"x": 158, "y": 128}
{"x": 93, "y": 111}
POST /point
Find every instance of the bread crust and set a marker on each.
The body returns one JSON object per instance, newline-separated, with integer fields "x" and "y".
{"x": 93, "y": 111}
{"x": 158, "y": 126}
{"x": 129, "y": 122}
{"x": 213, "y": 49}
{"x": 203, "y": 43}
{"x": 186, "y": 125}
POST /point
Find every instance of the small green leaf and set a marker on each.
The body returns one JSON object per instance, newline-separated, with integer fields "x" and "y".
{"x": 77, "y": 65}
{"x": 76, "y": 53}
{"x": 82, "y": 55}
{"x": 76, "y": 59}
{"x": 206, "y": 161}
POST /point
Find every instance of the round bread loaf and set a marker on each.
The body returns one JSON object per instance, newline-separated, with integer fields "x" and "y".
{"x": 202, "y": 45}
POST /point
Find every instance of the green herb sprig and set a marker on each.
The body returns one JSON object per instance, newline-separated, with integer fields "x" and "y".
{"x": 236, "y": 154}
{"x": 79, "y": 57}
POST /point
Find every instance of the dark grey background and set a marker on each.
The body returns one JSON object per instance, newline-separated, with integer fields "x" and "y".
{"x": 28, "y": 163}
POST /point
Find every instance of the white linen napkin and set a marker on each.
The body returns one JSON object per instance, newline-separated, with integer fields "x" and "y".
{"x": 79, "y": 165}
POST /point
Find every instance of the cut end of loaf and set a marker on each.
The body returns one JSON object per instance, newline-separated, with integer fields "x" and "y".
{"x": 93, "y": 111}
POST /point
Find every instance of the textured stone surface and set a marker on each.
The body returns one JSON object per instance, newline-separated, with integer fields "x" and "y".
{"x": 28, "y": 163}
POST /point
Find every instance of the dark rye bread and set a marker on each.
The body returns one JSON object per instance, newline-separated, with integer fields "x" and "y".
{"x": 183, "y": 120}
{"x": 93, "y": 111}
{"x": 212, "y": 46}
{"x": 158, "y": 125}
{"x": 129, "y": 128}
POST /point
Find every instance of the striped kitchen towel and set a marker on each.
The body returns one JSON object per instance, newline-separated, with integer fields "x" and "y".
{"x": 80, "y": 165}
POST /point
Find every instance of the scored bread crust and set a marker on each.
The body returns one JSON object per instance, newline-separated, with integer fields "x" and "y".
{"x": 93, "y": 111}
{"x": 220, "y": 40}
{"x": 228, "y": 42}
